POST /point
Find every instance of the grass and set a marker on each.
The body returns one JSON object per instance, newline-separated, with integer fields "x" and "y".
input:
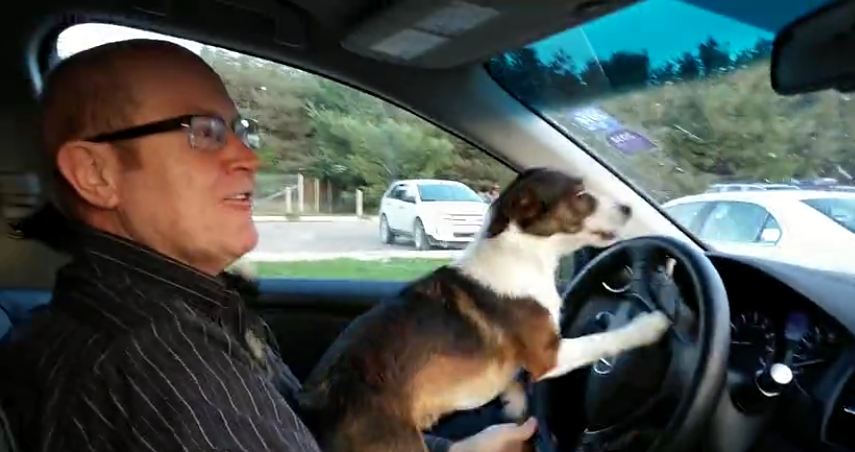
{"x": 394, "y": 269}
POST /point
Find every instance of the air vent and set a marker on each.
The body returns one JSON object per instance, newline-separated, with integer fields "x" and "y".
{"x": 841, "y": 422}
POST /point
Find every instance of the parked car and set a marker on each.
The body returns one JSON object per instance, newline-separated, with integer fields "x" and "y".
{"x": 813, "y": 228}
{"x": 722, "y": 188}
{"x": 433, "y": 212}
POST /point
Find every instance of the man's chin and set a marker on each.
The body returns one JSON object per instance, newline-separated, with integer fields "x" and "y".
{"x": 247, "y": 240}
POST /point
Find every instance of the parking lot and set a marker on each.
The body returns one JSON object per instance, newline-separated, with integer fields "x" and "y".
{"x": 315, "y": 239}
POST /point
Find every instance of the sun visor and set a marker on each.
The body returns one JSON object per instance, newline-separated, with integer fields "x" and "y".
{"x": 441, "y": 34}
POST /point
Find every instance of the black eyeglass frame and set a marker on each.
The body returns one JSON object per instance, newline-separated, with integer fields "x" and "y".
{"x": 169, "y": 125}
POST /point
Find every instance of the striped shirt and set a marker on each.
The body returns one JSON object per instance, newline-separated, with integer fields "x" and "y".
{"x": 138, "y": 352}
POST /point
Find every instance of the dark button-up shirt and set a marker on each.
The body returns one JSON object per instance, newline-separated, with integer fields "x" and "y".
{"x": 140, "y": 352}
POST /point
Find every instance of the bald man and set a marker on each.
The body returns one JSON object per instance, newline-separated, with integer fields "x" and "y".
{"x": 146, "y": 345}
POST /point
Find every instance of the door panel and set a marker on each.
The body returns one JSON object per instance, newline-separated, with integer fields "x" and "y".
{"x": 307, "y": 315}
{"x": 408, "y": 209}
{"x": 390, "y": 207}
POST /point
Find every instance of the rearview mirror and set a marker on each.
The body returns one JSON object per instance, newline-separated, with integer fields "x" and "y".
{"x": 815, "y": 52}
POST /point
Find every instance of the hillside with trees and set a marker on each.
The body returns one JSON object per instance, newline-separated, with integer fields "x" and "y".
{"x": 710, "y": 113}
{"x": 327, "y": 130}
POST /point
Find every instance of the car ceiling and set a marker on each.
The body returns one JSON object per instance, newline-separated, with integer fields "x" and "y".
{"x": 306, "y": 34}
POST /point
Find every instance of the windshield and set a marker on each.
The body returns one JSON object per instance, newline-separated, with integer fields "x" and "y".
{"x": 676, "y": 97}
{"x": 447, "y": 192}
{"x": 841, "y": 211}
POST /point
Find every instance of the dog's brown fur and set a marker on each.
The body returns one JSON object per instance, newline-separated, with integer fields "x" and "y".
{"x": 447, "y": 342}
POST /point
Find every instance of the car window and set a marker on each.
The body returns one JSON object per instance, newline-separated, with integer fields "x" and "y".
{"x": 397, "y": 192}
{"x": 408, "y": 194}
{"x": 688, "y": 214}
{"x": 738, "y": 222}
{"x": 447, "y": 192}
{"x": 841, "y": 210}
{"x": 329, "y": 153}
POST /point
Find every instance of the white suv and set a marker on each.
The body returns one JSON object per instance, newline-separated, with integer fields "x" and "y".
{"x": 433, "y": 212}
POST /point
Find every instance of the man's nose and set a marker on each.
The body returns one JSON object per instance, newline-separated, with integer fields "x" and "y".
{"x": 242, "y": 157}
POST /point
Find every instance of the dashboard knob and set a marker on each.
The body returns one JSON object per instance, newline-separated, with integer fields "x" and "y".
{"x": 771, "y": 381}
{"x": 757, "y": 396}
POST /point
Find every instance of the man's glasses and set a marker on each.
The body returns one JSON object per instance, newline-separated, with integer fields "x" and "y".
{"x": 207, "y": 133}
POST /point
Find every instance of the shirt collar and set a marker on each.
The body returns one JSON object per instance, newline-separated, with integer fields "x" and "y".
{"x": 208, "y": 293}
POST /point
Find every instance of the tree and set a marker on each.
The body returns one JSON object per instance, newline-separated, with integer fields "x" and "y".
{"x": 344, "y": 136}
{"x": 713, "y": 58}
{"x": 732, "y": 128}
{"x": 688, "y": 67}
{"x": 273, "y": 95}
{"x": 627, "y": 70}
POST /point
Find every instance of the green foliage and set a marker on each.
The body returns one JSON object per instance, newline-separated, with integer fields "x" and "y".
{"x": 395, "y": 269}
{"x": 711, "y": 113}
{"x": 732, "y": 128}
{"x": 354, "y": 140}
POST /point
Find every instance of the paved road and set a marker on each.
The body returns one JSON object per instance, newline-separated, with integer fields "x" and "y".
{"x": 357, "y": 235}
{"x": 282, "y": 240}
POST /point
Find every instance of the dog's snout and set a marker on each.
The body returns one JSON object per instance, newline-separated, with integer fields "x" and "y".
{"x": 625, "y": 210}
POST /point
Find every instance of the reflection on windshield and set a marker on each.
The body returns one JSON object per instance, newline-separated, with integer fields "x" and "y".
{"x": 677, "y": 98}
{"x": 447, "y": 192}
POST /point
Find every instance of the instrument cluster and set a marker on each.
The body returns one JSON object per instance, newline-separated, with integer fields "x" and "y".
{"x": 804, "y": 342}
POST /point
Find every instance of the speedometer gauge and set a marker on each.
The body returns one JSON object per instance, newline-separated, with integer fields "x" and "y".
{"x": 752, "y": 342}
{"x": 813, "y": 353}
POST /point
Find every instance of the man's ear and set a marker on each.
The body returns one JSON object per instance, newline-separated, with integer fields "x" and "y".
{"x": 93, "y": 170}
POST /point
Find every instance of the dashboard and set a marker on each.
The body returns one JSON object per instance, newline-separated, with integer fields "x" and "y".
{"x": 804, "y": 319}
{"x": 783, "y": 332}
{"x": 782, "y": 318}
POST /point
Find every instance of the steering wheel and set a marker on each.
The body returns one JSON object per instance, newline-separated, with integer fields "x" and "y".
{"x": 654, "y": 398}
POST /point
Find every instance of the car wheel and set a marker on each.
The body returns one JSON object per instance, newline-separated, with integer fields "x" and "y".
{"x": 386, "y": 234}
{"x": 420, "y": 239}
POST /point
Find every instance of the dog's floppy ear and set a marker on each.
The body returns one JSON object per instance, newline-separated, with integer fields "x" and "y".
{"x": 524, "y": 205}
{"x": 520, "y": 204}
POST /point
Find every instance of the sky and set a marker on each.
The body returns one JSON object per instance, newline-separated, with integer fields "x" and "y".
{"x": 668, "y": 28}
{"x": 81, "y": 37}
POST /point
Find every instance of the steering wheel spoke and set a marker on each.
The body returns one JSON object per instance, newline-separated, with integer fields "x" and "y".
{"x": 660, "y": 392}
{"x": 652, "y": 285}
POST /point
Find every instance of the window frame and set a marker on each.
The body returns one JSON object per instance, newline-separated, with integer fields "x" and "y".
{"x": 757, "y": 238}
{"x": 700, "y": 218}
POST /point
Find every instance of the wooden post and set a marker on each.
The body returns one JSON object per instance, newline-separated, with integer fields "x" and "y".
{"x": 358, "y": 202}
{"x": 301, "y": 193}
{"x": 317, "y": 190}
{"x": 329, "y": 197}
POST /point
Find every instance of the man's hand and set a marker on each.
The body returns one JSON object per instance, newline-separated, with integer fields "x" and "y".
{"x": 498, "y": 438}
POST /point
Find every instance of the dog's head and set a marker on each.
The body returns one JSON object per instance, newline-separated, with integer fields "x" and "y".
{"x": 550, "y": 204}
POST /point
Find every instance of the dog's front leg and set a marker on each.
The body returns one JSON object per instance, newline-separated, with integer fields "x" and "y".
{"x": 574, "y": 353}
{"x": 515, "y": 401}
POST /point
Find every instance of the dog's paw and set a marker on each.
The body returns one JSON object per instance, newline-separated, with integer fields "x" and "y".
{"x": 647, "y": 328}
{"x": 516, "y": 404}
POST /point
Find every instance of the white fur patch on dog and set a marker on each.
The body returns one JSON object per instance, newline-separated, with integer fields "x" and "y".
{"x": 516, "y": 403}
